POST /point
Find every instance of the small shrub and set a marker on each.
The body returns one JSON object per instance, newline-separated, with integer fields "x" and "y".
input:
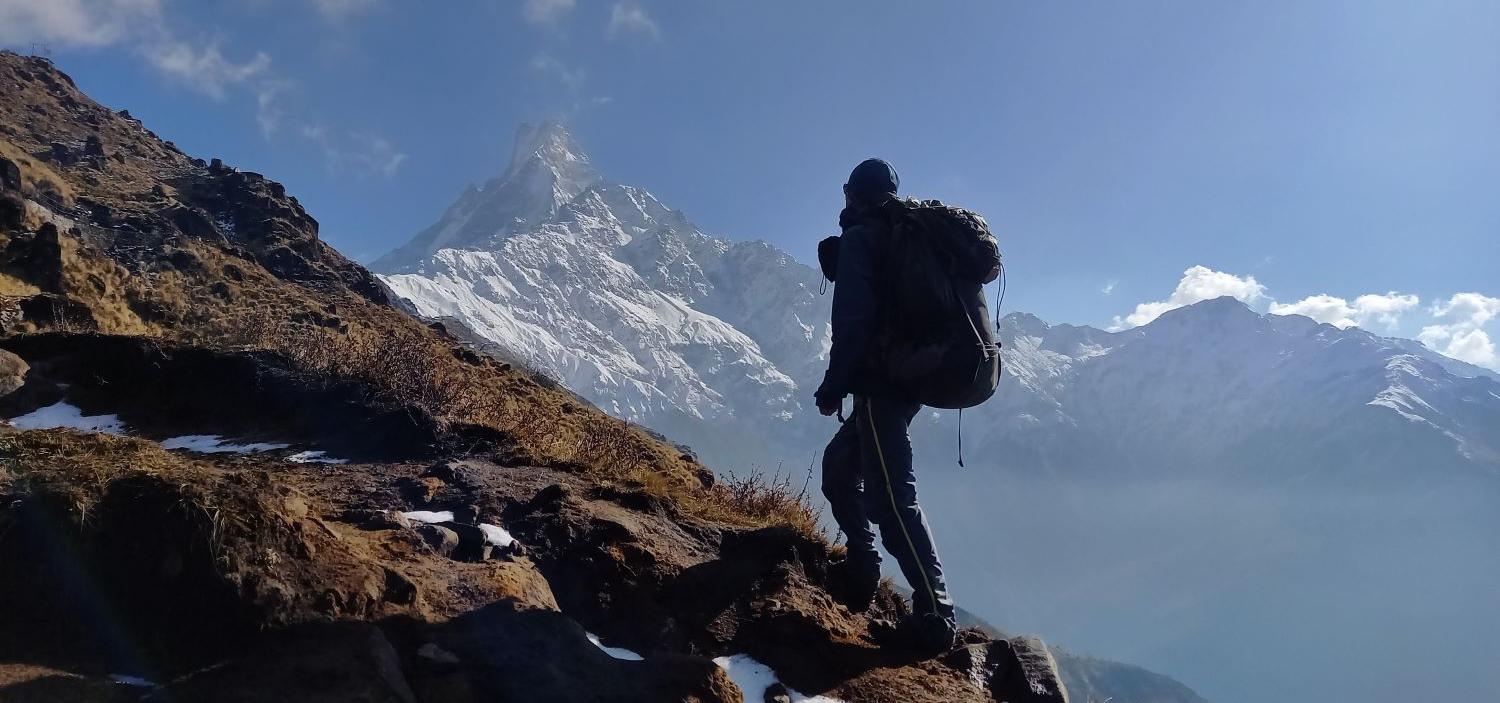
{"x": 766, "y": 499}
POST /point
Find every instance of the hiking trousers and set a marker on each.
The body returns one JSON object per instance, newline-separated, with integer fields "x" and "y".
{"x": 868, "y": 477}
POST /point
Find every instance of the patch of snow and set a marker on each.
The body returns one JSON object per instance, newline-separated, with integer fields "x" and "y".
{"x": 429, "y": 516}
{"x": 312, "y": 457}
{"x": 496, "y": 535}
{"x": 616, "y": 652}
{"x": 754, "y": 678}
{"x": 63, "y": 415}
{"x": 214, "y": 444}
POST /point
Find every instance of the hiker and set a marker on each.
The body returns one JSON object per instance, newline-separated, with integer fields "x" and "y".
{"x": 867, "y": 467}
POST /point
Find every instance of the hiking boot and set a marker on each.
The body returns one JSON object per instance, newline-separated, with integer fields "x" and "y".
{"x": 926, "y": 633}
{"x": 853, "y": 583}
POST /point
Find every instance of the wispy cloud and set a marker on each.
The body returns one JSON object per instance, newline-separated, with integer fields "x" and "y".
{"x": 1384, "y": 308}
{"x": 75, "y": 22}
{"x": 357, "y": 154}
{"x": 627, "y": 18}
{"x": 1198, "y": 284}
{"x": 268, "y": 110}
{"x": 572, "y": 79}
{"x": 546, "y": 11}
{"x": 138, "y": 24}
{"x": 141, "y": 27}
{"x": 551, "y": 67}
{"x": 205, "y": 69}
{"x": 1109, "y": 287}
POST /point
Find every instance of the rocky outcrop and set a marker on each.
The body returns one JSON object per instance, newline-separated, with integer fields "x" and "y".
{"x": 12, "y": 372}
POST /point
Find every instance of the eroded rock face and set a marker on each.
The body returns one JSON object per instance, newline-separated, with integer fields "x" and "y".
{"x": 12, "y": 372}
{"x": 1024, "y": 672}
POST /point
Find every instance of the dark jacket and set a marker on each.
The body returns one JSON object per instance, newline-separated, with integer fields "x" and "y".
{"x": 857, "y": 303}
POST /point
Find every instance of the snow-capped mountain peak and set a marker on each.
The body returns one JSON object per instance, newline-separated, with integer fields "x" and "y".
{"x": 622, "y": 298}
{"x": 547, "y": 171}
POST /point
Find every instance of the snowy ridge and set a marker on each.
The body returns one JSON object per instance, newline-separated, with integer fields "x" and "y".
{"x": 1212, "y": 380}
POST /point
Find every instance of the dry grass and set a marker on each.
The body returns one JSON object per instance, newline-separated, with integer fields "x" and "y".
{"x": 404, "y": 362}
{"x": 37, "y": 177}
{"x": 78, "y": 465}
{"x": 774, "y": 498}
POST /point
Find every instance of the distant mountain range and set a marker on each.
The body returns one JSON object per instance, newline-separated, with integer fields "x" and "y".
{"x": 718, "y": 344}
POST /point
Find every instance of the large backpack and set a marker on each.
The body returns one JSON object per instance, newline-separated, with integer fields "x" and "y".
{"x": 936, "y": 345}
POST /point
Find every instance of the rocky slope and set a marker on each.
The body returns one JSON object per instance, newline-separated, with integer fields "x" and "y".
{"x": 233, "y": 472}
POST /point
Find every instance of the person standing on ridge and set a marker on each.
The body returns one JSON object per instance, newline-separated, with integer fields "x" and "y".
{"x": 909, "y": 328}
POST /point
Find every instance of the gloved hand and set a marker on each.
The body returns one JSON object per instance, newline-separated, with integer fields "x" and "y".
{"x": 829, "y": 402}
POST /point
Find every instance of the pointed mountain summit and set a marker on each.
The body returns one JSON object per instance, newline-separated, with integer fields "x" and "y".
{"x": 624, "y": 300}
{"x": 547, "y": 171}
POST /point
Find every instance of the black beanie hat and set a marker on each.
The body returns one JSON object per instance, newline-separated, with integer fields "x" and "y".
{"x": 873, "y": 177}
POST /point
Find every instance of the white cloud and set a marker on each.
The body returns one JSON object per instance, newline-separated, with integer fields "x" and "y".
{"x": 205, "y": 69}
{"x": 1109, "y": 287}
{"x": 139, "y": 24}
{"x": 629, "y": 18}
{"x": 1383, "y": 308}
{"x": 546, "y": 11}
{"x": 75, "y": 22}
{"x": 1198, "y": 284}
{"x": 1464, "y": 337}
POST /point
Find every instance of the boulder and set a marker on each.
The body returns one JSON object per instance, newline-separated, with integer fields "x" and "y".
{"x": 315, "y": 664}
{"x": 441, "y": 539}
{"x": 1024, "y": 672}
{"x": 472, "y": 545}
{"x": 371, "y": 519}
{"x": 10, "y": 175}
{"x": 508, "y": 654}
{"x": 43, "y": 264}
{"x": 12, "y": 372}
{"x": 62, "y": 154}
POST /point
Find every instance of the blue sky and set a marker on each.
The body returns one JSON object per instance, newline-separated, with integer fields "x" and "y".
{"x": 1131, "y": 156}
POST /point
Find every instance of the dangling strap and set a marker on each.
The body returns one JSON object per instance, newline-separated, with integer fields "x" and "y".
{"x": 960, "y": 438}
{"x": 822, "y": 286}
{"x": 999, "y": 295}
